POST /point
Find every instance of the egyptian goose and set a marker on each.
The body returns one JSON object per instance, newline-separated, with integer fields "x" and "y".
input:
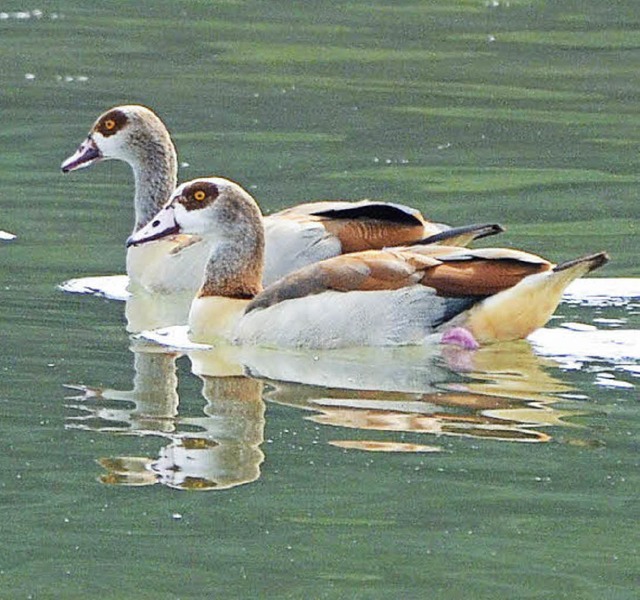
{"x": 295, "y": 237}
{"x": 395, "y": 296}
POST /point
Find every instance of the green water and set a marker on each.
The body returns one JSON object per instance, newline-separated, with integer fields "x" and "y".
{"x": 522, "y": 475}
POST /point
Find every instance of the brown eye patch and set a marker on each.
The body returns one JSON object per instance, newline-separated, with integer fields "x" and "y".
{"x": 111, "y": 122}
{"x": 199, "y": 195}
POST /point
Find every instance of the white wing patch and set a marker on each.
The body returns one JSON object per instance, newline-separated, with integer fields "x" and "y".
{"x": 290, "y": 245}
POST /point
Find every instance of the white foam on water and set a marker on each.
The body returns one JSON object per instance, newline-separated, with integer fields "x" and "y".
{"x": 175, "y": 337}
{"x": 602, "y": 292}
{"x": 113, "y": 287}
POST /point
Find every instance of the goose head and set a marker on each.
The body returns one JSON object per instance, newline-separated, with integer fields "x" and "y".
{"x": 128, "y": 133}
{"x": 229, "y": 220}
{"x": 137, "y": 136}
{"x": 211, "y": 207}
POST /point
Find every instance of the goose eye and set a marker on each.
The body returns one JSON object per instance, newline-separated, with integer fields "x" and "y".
{"x": 199, "y": 195}
{"x": 109, "y": 124}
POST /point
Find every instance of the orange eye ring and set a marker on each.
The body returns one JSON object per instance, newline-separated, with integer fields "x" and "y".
{"x": 109, "y": 124}
{"x": 199, "y": 195}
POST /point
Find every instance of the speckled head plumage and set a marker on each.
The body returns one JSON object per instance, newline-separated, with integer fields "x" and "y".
{"x": 130, "y": 132}
{"x": 136, "y": 135}
{"x": 209, "y": 207}
{"x": 224, "y": 213}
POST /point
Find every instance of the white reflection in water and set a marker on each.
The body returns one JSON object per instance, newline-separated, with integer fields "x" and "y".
{"x": 506, "y": 392}
{"x": 619, "y": 346}
{"x": 506, "y": 396}
{"x": 113, "y": 287}
{"x": 218, "y": 450}
{"x": 603, "y": 292}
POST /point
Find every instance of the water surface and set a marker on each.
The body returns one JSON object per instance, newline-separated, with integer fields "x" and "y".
{"x": 132, "y": 470}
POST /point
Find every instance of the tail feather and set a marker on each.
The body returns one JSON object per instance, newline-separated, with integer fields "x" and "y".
{"x": 589, "y": 263}
{"x": 462, "y": 236}
{"x": 518, "y": 311}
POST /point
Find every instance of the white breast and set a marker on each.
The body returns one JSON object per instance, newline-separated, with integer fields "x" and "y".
{"x": 214, "y": 318}
{"x": 159, "y": 268}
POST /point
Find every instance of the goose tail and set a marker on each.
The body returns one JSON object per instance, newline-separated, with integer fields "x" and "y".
{"x": 518, "y": 311}
{"x": 462, "y": 236}
{"x": 583, "y": 265}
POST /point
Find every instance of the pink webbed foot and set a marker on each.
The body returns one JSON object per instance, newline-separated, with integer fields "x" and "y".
{"x": 459, "y": 336}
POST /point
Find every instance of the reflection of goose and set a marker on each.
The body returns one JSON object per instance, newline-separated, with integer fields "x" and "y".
{"x": 511, "y": 369}
{"x": 406, "y": 369}
{"x": 406, "y": 390}
{"x": 145, "y": 310}
{"x": 224, "y": 451}
{"x": 217, "y": 450}
{"x": 439, "y": 424}
{"x": 438, "y": 413}
{"x": 295, "y": 237}
{"x": 500, "y": 400}
{"x": 392, "y": 297}
{"x": 514, "y": 372}
{"x": 154, "y": 398}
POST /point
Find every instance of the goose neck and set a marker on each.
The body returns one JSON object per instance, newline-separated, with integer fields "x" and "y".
{"x": 235, "y": 267}
{"x": 155, "y": 175}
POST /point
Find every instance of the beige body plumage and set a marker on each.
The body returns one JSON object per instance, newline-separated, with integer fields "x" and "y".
{"x": 294, "y": 237}
{"x": 395, "y": 296}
